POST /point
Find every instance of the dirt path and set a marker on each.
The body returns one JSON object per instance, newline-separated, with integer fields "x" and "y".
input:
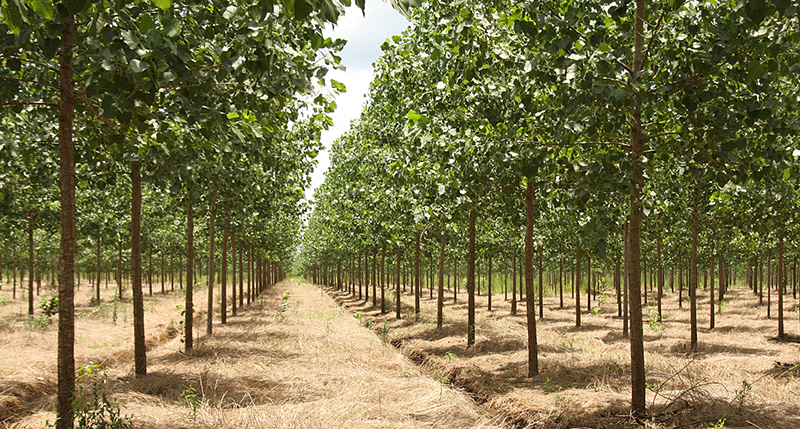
{"x": 310, "y": 366}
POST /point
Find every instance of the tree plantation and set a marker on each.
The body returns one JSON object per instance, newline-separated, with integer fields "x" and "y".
{"x": 548, "y": 214}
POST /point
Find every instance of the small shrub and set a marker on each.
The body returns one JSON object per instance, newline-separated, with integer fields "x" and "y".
{"x": 284, "y": 302}
{"x": 655, "y": 320}
{"x": 92, "y": 406}
{"x": 49, "y": 306}
{"x": 192, "y": 401}
{"x": 40, "y": 323}
{"x": 449, "y": 355}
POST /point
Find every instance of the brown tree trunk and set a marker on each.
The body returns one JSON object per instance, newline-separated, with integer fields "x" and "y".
{"x": 530, "y": 310}
{"x": 560, "y": 283}
{"x": 711, "y": 280}
{"x": 637, "y": 184}
{"x": 660, "y": 280}
{"x": 577, "y": 285}
{"x": 224, "y": 291}
{"x": 211, "y": 272}
{"x": 781, "y": 282}
{"x": 416, "y": 277}
{"x": 188, "y": 308}
{"x": 139, "y": 350}
{"x": 30, "y": 263}
{"x": 489, "y": 283}
{"x": 541, "y": 286}
{"x": 374, "y": 277}
{"x": 66, "y": 293}
{"x": 397, "y": 286}
{"x": 471, "y": 281}
{"x": 241, "y": 274}
{"x": 383, "y": 280}
{"x": 693, "y": 280}
{"x": 440, "y": 297}
{"x": 514, "y": 284}
{"x": 99, "y": 271}
{"x": 233, "y": 273}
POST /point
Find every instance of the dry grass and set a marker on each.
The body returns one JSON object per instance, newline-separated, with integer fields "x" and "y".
{"x": 585, "y": 372}
{"x": 311, "y": 366}
{"x": 104, "y": 334}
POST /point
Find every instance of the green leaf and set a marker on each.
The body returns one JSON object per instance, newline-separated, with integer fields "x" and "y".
{"x": 756, "y": 10}
{"x": 755, "y": 70}
{"x": 74, "y": 6}
{"x": 14, "y": 64}
{"x": 139, "y": 66}
{"x": 146, "y": 23}
{"x": 43, "y": 8}
{"x": 233, "y": 115}
{"x": 173, "y": 28}
{"x": 163, "y": 4}
{"x": 338, "y": 85}
{"x": 413, "y": 116}
{"x": 14, "y": 15}
{"x": 604, "y": 48}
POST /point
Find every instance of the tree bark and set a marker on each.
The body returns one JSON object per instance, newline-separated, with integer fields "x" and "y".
{"x": 637, "y": 183}
{"x": 693, "y": 280}
{"x": 31, "y": 215}
{"x": 440, "y": 297}
{"x": 781, "y": 334}
{"x": 397, "y": 286}
{"x": 471, "y": 281}
{"x": 139, "y": 350}
{"x": 66, "y": 266}
{"x": 541, "y": 287}
{"x": 416, "y": 277}
{"x": 211, "y": 272}
{"x": 530, "y": 310}
{"x": 514, "y": 283}
{"x": 188, "y": 308}
{"x": 224, "y": 291}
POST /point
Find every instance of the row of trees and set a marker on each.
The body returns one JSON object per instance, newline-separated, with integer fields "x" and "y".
{"x": 125, "y": 121}
{"x": 617, "y": 136}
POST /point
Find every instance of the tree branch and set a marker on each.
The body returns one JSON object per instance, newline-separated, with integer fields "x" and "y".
{"x": 32, "y": 81}
{"x": 31, "y": 103}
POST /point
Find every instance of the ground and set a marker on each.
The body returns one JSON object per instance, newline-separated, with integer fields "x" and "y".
{"x": 733, "y": 380}
{"x": 307, "y": 364}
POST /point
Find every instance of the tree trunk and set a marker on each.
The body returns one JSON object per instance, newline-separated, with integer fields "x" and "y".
{"x": 530, "y": 310}
{"x": 383, "y": 280}
{"x": 541, "y": 287}
{"x": 224, "y": 291}
{"x": 693, "y": 280}
{"x": 471, "y": 281}
{"x": 150, "y": 269}
{"x": 637, "y": 184}
{"x": 577, "y": 285}
{"x": 233, "y": 273}
{"x": 374, "y": 277}
{"x": 440, "y": 297}
{"x": 711, "y": 280}
{"x": 241, "y": 274}
{"x": 397, "y": 286}
{"x": 489, "y": 283}
{"x": 99, "y": 271}
{"x": 514, "y": 283}
{"x": 781, "y": 334}
{"x": 66, "y": 293}
{"x": 30, "y": 263}
{"x": 211, "y": 239}
{"x": 139, "y": 350}
{"x": 561, "y": 283}
{"x": 625, "y": 324}
{"x": 660, "y": 280}
{"x": 188, "y": 308}
{"x": 416, "y": 277}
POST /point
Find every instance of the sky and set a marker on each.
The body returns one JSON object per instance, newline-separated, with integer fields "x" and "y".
{"x": 364, "y": 36}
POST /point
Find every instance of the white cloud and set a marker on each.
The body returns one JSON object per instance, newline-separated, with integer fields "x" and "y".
{"x": 364, "y": 39}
